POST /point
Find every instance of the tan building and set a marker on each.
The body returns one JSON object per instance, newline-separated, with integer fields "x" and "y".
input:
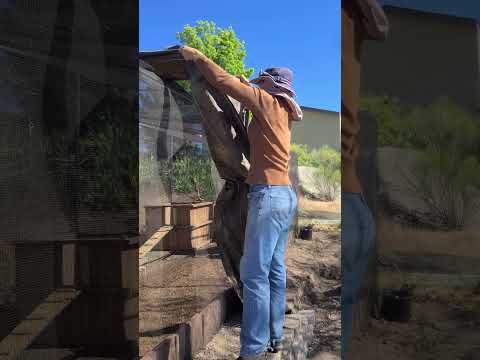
{"x": 318, "y": 127}
{"x": 427, "y": 55}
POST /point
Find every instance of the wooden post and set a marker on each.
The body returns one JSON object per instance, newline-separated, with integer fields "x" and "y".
{"x": 68, "y": 265}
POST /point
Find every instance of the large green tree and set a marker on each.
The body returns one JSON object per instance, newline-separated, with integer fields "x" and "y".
{"x": 220, "y": 45}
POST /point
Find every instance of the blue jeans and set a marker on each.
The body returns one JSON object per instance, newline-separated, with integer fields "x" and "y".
{"x": 262, "y": 267}
{"x": 358, "y": 233}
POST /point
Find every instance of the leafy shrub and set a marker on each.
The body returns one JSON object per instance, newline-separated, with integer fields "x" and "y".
{"x": 191, "y": 171}
{"x": 151, "y": 170}
{"x": 103, "y": 160}
{"x": 388, "y": 115}
{"x": 187, "y": 171}
{"x": 447, "y": 164}
{"x": 220, "y": 45}
{"x": 109, "y": 167}
{"x": 327, "y": 163}
{"x": 447, "y": 168}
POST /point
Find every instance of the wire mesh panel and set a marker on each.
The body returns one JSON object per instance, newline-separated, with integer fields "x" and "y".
{"x": 68, "y": 177}
{"x": 178, "y": 183}
{"x": 175, "y": 163}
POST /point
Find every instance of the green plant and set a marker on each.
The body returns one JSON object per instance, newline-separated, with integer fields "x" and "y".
{"x": 191, "y": 172}
{"x": 102, "y": 160}
{"x": 327, "y": 162}
{"x": 303, "y": 154}
{"x": 445, "y": 138}
{"x": 327, "y": 175}
{"x": 108, "y": 159}
{"x": 148, "y": 170}
{"x": 152, "y": 170}
{"x": 446, "y": 169}
{"x": 389, "y": 115}
{"x": 220, "y": 45}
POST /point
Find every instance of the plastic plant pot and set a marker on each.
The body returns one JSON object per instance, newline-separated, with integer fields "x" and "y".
{"x": 397, "y": 304}
{"x": 306, "y": 232}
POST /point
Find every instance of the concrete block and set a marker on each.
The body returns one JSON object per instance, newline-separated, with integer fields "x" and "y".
{"x": 298, "y": 332}
{"x": 292, "y": 323}
{"x": 326, "y": 356}
{"x": 309, "y": 316}
{"x": 288, "y": 336}
{"x": 302, "y": 323}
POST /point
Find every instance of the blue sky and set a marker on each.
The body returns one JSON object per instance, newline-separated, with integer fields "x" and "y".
{"x": 303, "y": 35}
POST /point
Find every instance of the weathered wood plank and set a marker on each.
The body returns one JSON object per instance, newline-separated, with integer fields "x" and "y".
{"x": 432, "y": 263}
{"x": 154, "y": 240}
{"x": 32, "y": 326}
{"x": 392, "y": 280}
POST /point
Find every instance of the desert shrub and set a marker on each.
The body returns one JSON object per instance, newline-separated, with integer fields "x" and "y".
{"x": 303, "y": 154}
{"x": 327, "y": 162}
{"x": 389, "y": 116}
{"x": 447, "y": 167}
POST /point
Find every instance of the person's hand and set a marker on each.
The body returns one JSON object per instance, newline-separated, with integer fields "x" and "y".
{"x": 188, "y": 53}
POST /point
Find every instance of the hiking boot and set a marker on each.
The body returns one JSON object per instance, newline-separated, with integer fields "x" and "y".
{"x": 261, "y": 356}
{"x": 275, "y": 346}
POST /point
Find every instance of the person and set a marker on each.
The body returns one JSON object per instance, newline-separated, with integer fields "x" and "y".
{"x": 361, "y": 20}
{"x": 271, "y": 198}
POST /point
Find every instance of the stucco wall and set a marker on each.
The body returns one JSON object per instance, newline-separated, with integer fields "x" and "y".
{"x": 317, "y": 128}
{"x": 415, "y": 63}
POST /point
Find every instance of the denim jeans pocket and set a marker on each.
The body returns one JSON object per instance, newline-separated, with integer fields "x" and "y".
{"x": 281, "y": 202}
{"x": 256, "y": 199}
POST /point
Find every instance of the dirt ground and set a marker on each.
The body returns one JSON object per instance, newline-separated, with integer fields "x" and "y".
{"x": 314, "y": 271}
{"x": 312, "y": 208}
{"x": 445, "y": 325}
{"x": 393, "y": 237}
{"x": 445, "y": 321}
{"x": 172, "y": 290}
{"x": 314, "y": 279}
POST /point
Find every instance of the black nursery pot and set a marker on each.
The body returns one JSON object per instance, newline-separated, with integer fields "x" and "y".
{"x": 306, "y": 232}
{"x": 397, "y": 305}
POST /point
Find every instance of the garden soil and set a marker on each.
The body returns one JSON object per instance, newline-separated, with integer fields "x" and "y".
{"x": 444, "y": 326}
{"x": 314, "y": 279}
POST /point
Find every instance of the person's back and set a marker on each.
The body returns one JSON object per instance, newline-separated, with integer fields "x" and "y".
{"x": 269, "y": 134}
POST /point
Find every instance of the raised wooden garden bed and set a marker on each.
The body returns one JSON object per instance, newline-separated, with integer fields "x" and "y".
{"x": 189, "y": 225}
{"x": 157, "y": 216}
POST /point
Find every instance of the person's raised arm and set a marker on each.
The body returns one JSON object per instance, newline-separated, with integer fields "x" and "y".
{"x": 222, "y": 80}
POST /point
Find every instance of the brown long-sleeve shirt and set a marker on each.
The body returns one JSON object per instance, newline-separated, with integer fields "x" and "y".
{"x": 269, "y": 132}
{"x": 351, "y": 42}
